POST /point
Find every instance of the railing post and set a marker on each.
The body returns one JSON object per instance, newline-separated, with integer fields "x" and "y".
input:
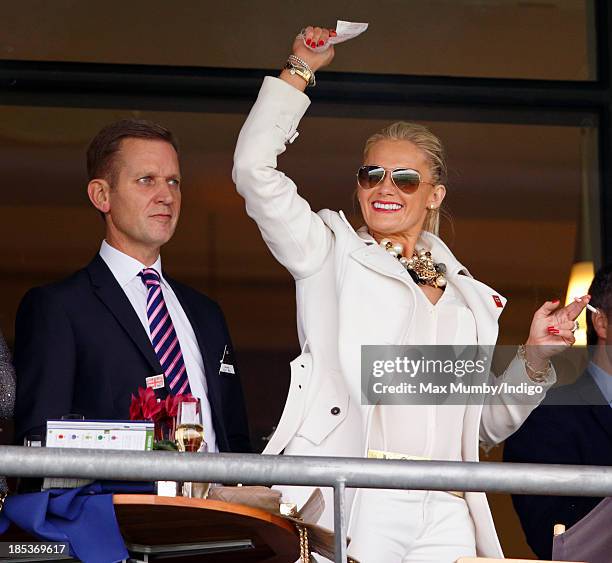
{"x": 340, "y": 520}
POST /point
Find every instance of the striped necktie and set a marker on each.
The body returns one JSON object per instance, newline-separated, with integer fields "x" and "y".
{"x": 163, "y": 336}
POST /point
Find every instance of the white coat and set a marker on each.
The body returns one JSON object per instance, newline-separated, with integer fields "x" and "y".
{"x": 350, "y": 294}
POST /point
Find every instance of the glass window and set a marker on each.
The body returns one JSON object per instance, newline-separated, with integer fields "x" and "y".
{"x": 515, "y": 195}
{"x": 544, "y": 39}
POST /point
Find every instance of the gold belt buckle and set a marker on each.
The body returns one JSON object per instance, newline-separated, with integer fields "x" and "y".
{"x": 381, "y": 454}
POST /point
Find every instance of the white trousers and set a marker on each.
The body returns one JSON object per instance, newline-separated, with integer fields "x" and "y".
{"x": 394, "y": 526}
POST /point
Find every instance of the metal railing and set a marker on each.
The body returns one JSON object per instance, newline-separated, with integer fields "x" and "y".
{"x": 339, "y": 473}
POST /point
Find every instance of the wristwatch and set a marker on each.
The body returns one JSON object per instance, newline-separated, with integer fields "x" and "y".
{"x": 302, "y": 72}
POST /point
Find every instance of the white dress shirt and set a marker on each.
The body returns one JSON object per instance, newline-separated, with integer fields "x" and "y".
{"x": 438, "y": 433}
{"x": 126, "y": 270}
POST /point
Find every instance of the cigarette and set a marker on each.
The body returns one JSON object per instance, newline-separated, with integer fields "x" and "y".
{"x": 588, "y": 305}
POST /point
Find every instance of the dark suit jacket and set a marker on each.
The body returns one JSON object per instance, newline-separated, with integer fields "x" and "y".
{"x": 561, "y": 432}
{"x": 81, "y": 348}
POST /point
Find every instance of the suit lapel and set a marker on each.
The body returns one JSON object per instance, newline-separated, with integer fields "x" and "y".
{"x": 108, "y": 290}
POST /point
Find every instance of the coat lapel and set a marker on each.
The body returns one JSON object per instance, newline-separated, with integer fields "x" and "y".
{"x": 485, "y": 303}
{"x": 372, "y": 256}
{"x": 377, "y": 259}
{"x": 108, "y": 290}
{"x": 486, "y": 306}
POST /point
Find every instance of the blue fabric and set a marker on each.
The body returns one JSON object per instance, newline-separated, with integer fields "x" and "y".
{"x": 84, "y": 517}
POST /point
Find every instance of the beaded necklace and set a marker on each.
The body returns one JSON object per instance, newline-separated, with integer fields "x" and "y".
{"x": 420, "y": 266}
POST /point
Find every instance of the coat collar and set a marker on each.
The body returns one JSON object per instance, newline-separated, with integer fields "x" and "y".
{"x": 485, "y": 303}
{"x": 429, "y": 242}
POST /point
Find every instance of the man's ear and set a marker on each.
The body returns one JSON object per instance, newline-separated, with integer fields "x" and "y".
{"x": 98, "y": 192}
{"x": 600, "y": 323}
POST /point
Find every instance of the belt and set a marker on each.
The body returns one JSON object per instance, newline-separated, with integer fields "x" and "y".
{"x": 380, "y": 454}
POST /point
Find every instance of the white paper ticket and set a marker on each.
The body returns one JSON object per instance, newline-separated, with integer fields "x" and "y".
{"x": 344, "y": 32}
{"x": 347, "y": 30}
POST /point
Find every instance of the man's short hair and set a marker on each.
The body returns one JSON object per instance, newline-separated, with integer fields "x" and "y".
{"x": 103, "y": 149}
{"x": 601, "y": 298}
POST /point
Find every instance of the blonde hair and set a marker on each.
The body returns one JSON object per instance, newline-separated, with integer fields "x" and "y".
{"x": 431, "y": 145}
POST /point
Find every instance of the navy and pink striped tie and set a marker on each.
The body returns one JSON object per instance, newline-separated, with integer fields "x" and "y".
{"x": 163, "y": 336}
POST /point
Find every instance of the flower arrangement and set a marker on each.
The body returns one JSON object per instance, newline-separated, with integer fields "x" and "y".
{"x": 146, "y": 406}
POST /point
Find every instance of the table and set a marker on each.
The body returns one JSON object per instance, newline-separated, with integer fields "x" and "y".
{"x": 189, "y": 530}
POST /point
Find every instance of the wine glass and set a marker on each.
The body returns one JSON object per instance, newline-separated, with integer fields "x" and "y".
{"x": 189, "y": 436}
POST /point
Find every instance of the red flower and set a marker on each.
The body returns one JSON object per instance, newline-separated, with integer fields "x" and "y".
{"x": 152, "y": 409}
{"x": 136, "y": 409}
{"x": 146, "y": 406}
{"x": 171, "y": 405}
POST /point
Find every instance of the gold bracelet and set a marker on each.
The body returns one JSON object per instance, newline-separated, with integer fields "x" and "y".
{"x": 538, "y": 376}
{"x": 295, "y": 65}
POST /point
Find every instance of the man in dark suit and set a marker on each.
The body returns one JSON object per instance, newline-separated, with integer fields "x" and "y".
{"x": 85, "y": 344}
{"x": 572, "y": 426}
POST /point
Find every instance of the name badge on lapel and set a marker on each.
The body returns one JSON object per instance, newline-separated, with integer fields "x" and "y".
{"x": 155, "y": 381}
{"x": 227, "y": 362}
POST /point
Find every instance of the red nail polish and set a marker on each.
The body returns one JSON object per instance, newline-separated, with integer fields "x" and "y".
{"x": 308, "y": 42}
{"x": 332, "y": 33}
{"x": 555, "y": 301}
{"x": 321, "y": 42}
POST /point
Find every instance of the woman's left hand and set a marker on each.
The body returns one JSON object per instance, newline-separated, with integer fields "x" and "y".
{"x": 552, "y": 328}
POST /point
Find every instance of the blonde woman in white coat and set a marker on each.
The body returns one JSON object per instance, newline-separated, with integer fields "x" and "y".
{"x": 350, "y": 292}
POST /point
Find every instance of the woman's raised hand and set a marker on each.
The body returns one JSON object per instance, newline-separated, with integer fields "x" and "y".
{"x": 314, "y": 37}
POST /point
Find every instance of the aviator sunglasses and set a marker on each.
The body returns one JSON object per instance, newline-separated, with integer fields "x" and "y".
{"x": 405, "y": 179}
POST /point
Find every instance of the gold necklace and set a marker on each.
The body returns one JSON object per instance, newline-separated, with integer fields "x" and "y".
{"x": 420, "y": 266}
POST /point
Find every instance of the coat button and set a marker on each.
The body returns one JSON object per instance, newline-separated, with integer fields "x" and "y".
{"x": 335, "y": 411}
